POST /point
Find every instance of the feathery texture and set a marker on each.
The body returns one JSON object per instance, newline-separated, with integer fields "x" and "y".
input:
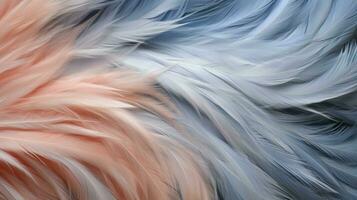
{"x": 178, "y": 99}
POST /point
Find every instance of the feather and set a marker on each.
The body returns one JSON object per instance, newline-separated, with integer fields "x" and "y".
{"x": 178, "y": 99}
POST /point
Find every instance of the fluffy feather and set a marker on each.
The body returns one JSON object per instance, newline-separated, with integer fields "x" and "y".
{"x": 178, "y": 99}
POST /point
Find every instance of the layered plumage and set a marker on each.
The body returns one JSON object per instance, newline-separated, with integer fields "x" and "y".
{"x": 178, "y": 99}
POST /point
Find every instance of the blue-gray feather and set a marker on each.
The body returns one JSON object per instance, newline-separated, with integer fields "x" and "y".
{"x": 266, "y": 89}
